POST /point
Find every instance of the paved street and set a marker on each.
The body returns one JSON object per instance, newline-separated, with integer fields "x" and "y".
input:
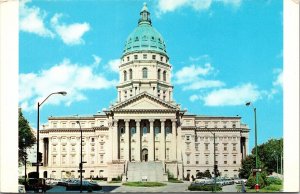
{"x": 118, "y": 187}
{"x": 229, "y": 188}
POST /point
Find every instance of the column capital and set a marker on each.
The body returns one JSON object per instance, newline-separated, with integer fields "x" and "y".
{"x": 163, "y": 120}
{"x": 137, "y": 120}
{"x": 126, "y": 120}
{"x": 174, "y": 120}
{"x": 151, "y": 120}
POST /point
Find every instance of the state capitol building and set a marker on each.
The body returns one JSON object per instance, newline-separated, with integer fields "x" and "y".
{"x": 145, "y": 133}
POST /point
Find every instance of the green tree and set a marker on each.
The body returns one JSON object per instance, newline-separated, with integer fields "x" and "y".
{"x": 269, "y": 153}
{"x": 207, "y": 174}
{"x": 199, "y": 175}
{"x": 247, "y": 165}
{"x": 26, "y": 134}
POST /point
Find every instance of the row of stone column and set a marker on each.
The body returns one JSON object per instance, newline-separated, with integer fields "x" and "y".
{"x": 151, "y": 144}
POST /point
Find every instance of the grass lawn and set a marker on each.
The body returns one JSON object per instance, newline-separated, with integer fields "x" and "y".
{"x": 266, "y": 189}
{"x": 144, "y": 184}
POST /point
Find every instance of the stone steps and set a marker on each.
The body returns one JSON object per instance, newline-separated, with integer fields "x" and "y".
{"x": 145, "y": 171}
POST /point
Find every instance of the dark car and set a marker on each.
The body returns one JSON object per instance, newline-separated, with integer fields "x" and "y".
{"x": 86, "y": 186}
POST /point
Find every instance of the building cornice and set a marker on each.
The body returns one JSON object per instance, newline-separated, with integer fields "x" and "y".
{"x": 93, "y": 129}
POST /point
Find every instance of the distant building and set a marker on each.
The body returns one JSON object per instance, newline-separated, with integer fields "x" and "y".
{"x": 145, "y": 133}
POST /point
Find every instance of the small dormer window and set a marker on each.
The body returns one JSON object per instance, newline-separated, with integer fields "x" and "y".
{"x": 152, "y": 38}
{"x": 136, "y": 39}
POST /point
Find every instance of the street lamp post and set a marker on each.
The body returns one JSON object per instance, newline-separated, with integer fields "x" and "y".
{"x": 38, "y": 129}
{"x": 25, "y": 161}
{"x": 215, "y": 169}
{"x": 80, "y": 165}
{"x": 256, "y": 155}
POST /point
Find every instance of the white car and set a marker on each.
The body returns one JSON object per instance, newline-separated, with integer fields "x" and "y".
{"x": 22, "y": 189}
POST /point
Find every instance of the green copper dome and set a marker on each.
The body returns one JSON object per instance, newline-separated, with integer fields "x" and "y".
{"x": 145, "y": 37}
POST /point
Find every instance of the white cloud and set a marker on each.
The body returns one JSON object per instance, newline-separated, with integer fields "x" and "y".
{"x": 203, "y": 84}
{"x": 65, "y": 76}
{"x": 32, "y": 20}
{"x": 190, "y": 73}
{"x": 279, "y": 77}
{"x": 171, "y": 5}
{"x": 194, "y": 97}
{"x": 232, "y": 96}
{"x": 113, "y": 65}
{"x": 70, "y": 34}
{"x": 192, "y": 77}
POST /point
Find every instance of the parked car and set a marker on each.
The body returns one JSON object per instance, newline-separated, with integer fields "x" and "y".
{"x": 86, "y": 186}
{"x": 21, "y": 189}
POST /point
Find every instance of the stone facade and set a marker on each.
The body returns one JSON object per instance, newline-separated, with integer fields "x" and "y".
{"x": 144, "y": 125}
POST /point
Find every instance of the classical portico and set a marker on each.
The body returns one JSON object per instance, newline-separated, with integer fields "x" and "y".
{"x": 145, "y": 128}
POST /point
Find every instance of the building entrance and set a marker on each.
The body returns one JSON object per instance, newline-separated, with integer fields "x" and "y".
{"x": 144, "y": 155}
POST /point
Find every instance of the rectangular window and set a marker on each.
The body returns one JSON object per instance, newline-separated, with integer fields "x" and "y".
{"x": 63, "y": 159}
{"x": 93, "y": 139}
{"x": 216, "y": 146}
{"x": 225, "y": 146}
{"x": 188, "y": 159}
{"x": 101, "y": 158}
{"x": 54, "y": 148}
{"x": 197, "y": 159}
{"x": 234, "y": 147}
{"x": 188, "y": 138}
{"x": 234, "y": 159}
{"x": 135, "y": 57}
{"x": 144, "y": 56}
{"x": 206, "y": 159}
{"x": 73, "y": 159}
{"x": 54, "y": 159}
{"x": 225, "y": 159}
{"x": 54, "y": 125}
{"x": 127, "y": 58}
{"x": 161, "y": 58}
{"x": 187, "y": 146}
{"x": 73, "y": 125}
{"x": 73, "y": 148}
{"x": 206, "y": 146}
{"x": 64, "y": 125}
{"x": 154, "y": 57}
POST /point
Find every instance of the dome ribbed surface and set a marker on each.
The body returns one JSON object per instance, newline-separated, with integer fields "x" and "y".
{"x": 145, "y": 37}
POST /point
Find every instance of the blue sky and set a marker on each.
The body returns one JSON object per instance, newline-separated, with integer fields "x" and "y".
{"x": 223, "y": 53}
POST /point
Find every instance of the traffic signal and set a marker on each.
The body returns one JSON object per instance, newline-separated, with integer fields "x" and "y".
{"x": 39, "y": 157}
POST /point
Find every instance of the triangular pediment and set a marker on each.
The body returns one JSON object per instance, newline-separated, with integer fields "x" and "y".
{"x": 144, "y": 101}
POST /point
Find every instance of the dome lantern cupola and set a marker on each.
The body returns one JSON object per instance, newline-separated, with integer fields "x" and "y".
{"x": 145, "y": 15}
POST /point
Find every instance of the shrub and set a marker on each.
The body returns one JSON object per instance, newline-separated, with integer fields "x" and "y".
{"x": 273, "y": 187}
{"x": 204, "y": 188}
{"x": 274, "y": 181}
{"x": 252, "y": 181}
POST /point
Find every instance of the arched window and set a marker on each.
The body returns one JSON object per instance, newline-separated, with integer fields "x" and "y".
{"x": 145, "y": 72}
{"x": 133, "y": 130}
{"x": 158, "y": 74}
{"x": 125, "y": 75}
{"x": 156, "y": 130}
{"x": 165, "y": 75}
{"x": 130, "y": 74}
{"x": 145, "y": 130}
{"x": 122, "y": 130}
{"x": 168, "y": 130}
